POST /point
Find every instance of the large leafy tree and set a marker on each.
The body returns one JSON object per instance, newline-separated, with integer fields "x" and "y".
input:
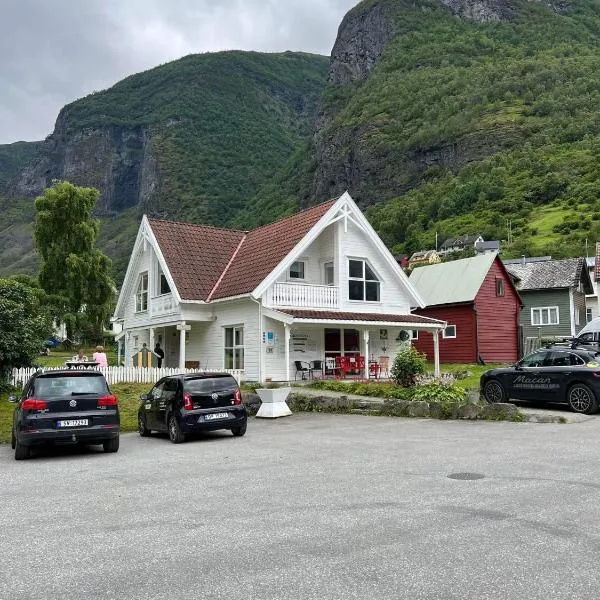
{"x": 73, "y": 271}
{"x": 25, "y": 324}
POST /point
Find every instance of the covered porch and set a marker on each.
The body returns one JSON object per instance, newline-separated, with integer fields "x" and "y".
{"x": 181, "y": 343}
{"x": 300, "y": 344}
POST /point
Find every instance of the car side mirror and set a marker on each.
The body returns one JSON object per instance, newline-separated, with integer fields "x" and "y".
{"x": 12, "y": 399}
{"x": 144, "y": 397}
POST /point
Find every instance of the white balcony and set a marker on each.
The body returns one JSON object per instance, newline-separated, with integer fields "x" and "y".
{"x": 301, "y": 295}
{"x": 163, "y": 305}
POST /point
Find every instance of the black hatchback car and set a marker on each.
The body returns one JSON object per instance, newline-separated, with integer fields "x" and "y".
{"x": 65, "y": 407}
{"x": 190, "y": 403}
{"x": 556, "y": 374}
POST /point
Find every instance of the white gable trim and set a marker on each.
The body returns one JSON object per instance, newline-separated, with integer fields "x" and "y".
{"x": 161, "y": 259}
{"x": 145, "y": 235}
{"x": 344, "y": 209}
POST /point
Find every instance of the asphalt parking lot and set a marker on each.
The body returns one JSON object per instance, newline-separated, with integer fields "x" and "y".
{"x": 310, "y": 507}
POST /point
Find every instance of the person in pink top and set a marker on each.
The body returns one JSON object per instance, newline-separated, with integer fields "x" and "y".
{"x": 100, "y": 357}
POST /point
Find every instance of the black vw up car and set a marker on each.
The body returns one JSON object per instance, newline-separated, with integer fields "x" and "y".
{"x": 189, "y": 403}
{"x": 65, "y": 407}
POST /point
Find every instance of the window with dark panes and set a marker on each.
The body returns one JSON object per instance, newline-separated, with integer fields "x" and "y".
{"x": 234, "y": 347}
{"x": 499, "y": 287}
{"x": 363, "y": 284}
{"x": 297, "y": 270}
{"x": 164, "y": 285}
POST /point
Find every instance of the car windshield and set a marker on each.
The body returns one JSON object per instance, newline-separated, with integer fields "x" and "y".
{"x": 208, "y": 385}
{"x": 70, "y": 385}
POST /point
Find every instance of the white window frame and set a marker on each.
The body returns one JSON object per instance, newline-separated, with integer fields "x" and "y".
{"x": 234, "y": 347}
{"x": 500, "y": 287}
{"x": 445, "y": 335}
{"x": 304, "y": 264}
{"x": 589, "y": 314}
{"x": 141, "y": 294}
{"x": 364, "y": 280}
{"x": 324, "y": 272}
{"x": 540, "y": 310}
{"x": 414, "y": 334}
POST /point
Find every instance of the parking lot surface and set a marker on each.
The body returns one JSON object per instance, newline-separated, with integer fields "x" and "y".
{"x": 310, "y": 507}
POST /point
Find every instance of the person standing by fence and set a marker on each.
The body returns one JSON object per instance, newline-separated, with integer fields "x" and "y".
{"x": 159, "y": 352}
{"x": 100, "y": 357}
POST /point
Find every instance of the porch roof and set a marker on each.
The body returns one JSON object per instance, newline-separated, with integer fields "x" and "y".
{"x": 410, "y": 321}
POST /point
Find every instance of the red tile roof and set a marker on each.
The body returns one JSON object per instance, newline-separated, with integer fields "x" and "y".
{"x": 264, "y": 248}
{"x": 209, "y": 263}
{"x": 351, "y": 316}
{"x": 195, "y": 254}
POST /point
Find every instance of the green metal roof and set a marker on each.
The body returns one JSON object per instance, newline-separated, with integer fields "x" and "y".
{"x": 454, "y": 281}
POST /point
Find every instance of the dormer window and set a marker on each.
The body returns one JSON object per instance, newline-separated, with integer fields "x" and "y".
{"x": 297, "y": 270}
{"x": 141, "y": 295}
{"x": 363, "y": 284}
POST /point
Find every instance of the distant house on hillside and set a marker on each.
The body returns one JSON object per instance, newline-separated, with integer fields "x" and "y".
{"x": 478, "y": 300}
{"x": 591, "y": 300}
{"x": 425, "y": 257}
{"x": 553, "y": 294}
{"x": 454, "y": 244}
{"x": 491, "y": 246}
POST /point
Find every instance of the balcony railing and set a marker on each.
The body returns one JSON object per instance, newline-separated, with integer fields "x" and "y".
{"x": 301, "y": 295}
{"x": 163, "y": 305}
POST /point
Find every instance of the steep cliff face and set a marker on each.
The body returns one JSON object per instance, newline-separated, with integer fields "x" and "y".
{"x": 115, "y": 159}
{"x": 386, "y": 53}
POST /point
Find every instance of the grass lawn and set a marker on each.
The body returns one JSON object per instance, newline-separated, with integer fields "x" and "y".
{"x": 475, "y": 372}
{"x": 129, "y": 400}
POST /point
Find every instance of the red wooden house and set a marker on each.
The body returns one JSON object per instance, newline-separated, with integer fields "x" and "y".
{"x": 478, "y": 300}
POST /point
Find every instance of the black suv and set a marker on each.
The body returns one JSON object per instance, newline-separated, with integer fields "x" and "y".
{"x": 184, "y": 404}
{"x": 65, "y": 407}
{"x": 555, "y": 374}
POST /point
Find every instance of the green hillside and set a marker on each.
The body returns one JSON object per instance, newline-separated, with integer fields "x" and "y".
{"x": 13, "y": 158}
{"x": 193, "y": 139}
{"x": 220, "y": 124}
{"x": 463, "y": 126}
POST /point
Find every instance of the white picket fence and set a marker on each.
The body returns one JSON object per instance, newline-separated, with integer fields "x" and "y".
{"x": 122, "y": 374}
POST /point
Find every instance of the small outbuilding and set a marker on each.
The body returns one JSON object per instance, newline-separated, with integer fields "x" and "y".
{"x": 477, "y": 298}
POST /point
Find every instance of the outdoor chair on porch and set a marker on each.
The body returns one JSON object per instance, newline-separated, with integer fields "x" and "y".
{"x": 317, "y": 366}
{"x": 303, "y": 368}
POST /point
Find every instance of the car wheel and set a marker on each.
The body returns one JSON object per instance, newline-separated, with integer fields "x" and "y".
{"x": 493, "y": 391}
{"x": 111, "y": 445}
{"x": 175, "y": 433}
{"x": 142, "y": 429}
{"x": 582, "y": 399}
{"x": 21, "y": 452}
{"x": 239, "y": 431}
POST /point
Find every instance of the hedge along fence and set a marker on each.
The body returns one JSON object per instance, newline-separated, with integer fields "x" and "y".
{"x": 148, "y": 375}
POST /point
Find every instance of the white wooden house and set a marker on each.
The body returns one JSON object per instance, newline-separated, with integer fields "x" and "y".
{"x": 316, "y": 285}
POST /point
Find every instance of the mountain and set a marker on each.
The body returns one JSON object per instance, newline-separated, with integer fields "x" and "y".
{"x": 441, "y": 117}
{"x": 458, "y": 116}
{"x": 193, "y": 139}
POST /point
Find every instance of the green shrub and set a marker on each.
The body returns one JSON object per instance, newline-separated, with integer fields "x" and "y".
{"x": 437, "y": 391}
{"x": 363, "y": 388}
{"x": 408, "y": 364}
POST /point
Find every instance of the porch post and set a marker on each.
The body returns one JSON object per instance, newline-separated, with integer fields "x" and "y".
{"x": 366, "y": 339}
{"x": 436, "y": 353}
{"x": 287, "y": 351}
{"x": 119, "y": 348}
{"x": 182, "y": 329}
{"x": 151, "y": 345}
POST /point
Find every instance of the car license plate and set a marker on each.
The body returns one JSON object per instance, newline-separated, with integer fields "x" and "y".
{"x": 214, "y": 416}
{"x": 73, "y": 423}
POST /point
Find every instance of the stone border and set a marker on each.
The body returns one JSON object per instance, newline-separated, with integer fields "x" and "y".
{"x": 404, "y": 408}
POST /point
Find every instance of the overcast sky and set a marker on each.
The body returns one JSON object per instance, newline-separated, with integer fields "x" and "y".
{"x": 54, "y": 51}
